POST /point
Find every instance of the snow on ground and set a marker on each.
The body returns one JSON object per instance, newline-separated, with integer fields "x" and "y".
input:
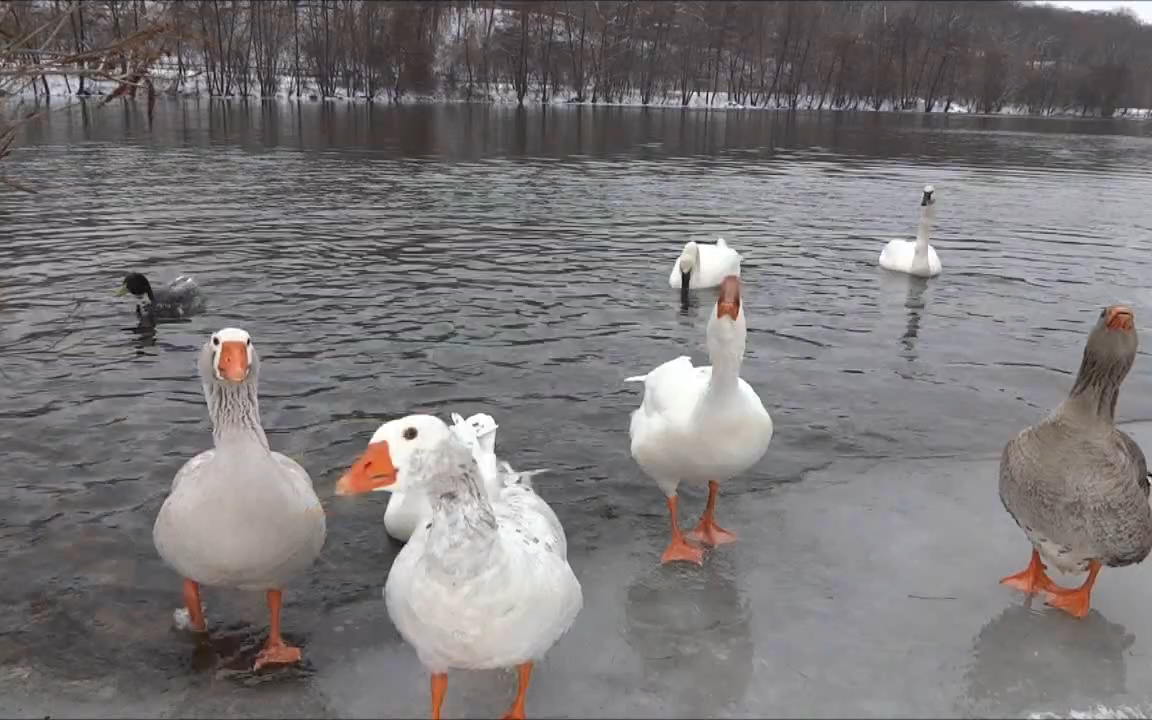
{"x": 195, "y": 85}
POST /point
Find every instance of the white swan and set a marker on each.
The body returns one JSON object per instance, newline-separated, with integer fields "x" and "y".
{"x": 239, "y": 515}
{"x": 406, "y": 510}
{"x": 701, "y": 425}
{"x": 480, "y": 584}
{"x": 915, "y": 257}
{"x": 703, "y": 266}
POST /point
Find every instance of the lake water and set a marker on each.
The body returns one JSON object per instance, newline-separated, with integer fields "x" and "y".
{"x": 472, "y": 258}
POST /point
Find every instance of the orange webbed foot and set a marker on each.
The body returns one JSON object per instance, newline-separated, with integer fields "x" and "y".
{"x": 1031, "y": 579}
{"x": 277, "y": 654}
{"x": 681, "y": 549}
{"x": 1075, "y": 602}
{"x": 516, "y": 713}
{"x": 709, "y": 533}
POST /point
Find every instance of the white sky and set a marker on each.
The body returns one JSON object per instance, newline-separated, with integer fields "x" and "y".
{"x": 1142, "y": 8}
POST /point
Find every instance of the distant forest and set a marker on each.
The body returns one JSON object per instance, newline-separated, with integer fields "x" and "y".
{"x": 984, "y": 57}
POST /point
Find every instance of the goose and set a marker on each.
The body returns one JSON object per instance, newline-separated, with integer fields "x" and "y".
{"x": 178, "y": 299}
{"x": 239, "y": 515}
{"x": 701, "y": 425}
{"x": 915, "y": 257}
{"x": 1074, "y": 483}
{"x": 406, "y": 510}
{"x": 480, "y": 584}
{"x": 703, "y": 265}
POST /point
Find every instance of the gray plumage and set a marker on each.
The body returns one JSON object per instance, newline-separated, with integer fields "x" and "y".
{"x": 1075, "y": 484}
{"x": 239, "y": 515}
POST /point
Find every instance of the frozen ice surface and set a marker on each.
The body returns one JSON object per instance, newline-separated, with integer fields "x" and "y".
{"x": 867, "y": 590}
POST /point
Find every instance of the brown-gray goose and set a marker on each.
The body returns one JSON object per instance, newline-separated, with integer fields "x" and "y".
{"x": 1075, "y": 484}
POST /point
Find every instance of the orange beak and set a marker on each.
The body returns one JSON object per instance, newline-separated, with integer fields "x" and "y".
{"x": 1120, "y": 318}
{"x": 232, "y": 363}
{"x": 729, "y": 303}
{"x": 371, "y": 471}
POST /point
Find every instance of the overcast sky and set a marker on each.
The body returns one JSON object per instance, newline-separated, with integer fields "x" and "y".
{"x": 1142, "y": 8}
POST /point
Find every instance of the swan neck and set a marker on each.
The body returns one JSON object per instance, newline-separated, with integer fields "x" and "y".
{"x": 235, "y": 413}
{"x": 924, "y": 228}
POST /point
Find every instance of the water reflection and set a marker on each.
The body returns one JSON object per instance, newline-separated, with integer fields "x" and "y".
{"x": 691, "y": 628}
{"x": 914, "y": 290}
{"x": 914, "y": 303}
{"x": 1029, "y": 659}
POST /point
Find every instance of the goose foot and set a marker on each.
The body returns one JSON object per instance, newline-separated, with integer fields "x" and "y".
{"x": 516, "y": 712}
{"x": 679, "y": 548}
{"x": 1077, "y": 601}
{"x": 277, "y": 654}
{"x": 708, "y": 532}
{"x": 195, "y": 607}
{"x": 439, "y": 685}
{"x": 1031, "y": 579}
{"x": 276, "y": 651}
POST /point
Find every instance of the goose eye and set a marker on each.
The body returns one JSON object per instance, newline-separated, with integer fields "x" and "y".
{"x": 248, "y": 342}
{"x": 410, "y": 433}
{"x": 215, "y": 340}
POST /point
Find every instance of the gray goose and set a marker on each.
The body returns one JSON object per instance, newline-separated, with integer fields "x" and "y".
{"x": 239, "y": 515}
{"x": 1075, "y": 484}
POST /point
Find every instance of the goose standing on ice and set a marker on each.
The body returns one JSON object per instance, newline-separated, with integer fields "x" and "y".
{"x": 915, "y": 257}
{"x": 703, "y": 265}
{"x": 701, "y": 425}
{"x": 480, "y": 584}
{"x": 239, "y": 515}
{"x": 1076, "y": 484}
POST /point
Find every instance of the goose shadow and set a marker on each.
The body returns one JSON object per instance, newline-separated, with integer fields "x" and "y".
{"x": 1027, "y": 659}
{"x": 691, "y": 629}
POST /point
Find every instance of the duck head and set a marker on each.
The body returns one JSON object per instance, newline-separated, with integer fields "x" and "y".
{"x": 137, "y": 285}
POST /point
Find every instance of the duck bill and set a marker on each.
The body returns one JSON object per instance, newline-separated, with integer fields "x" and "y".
{"x": 373, "y": 470}
{"x": 728, "y": 304}
{"x": 232, "y": 362}
{"x": 1121, "y": 318}
{"x": 122, "y": 291}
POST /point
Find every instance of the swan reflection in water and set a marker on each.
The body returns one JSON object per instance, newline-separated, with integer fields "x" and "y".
{"x": 915, "y": 301}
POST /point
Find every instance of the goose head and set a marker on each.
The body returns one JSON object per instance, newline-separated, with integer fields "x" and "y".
{"x": 727, "y": 326}
{"x": 1113, "y": 342}
{"x": 383, "y": 464}
{"x": 228, "y": 358}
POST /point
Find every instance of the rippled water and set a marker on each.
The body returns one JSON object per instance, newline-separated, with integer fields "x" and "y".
{"x": 437, "y": 259}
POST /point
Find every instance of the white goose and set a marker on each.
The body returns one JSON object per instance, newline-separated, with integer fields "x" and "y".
{"x": 703, "y": 266}
{"x": 239, "y": 515}
{"x": 480, "y": 584}
{"x": 915, "y": 257}
{"x": 701, "y": 425}
{"x": 408, "y": 509}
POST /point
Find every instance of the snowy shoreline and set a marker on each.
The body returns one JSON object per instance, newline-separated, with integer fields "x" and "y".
{"x": 193, "y": 87}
